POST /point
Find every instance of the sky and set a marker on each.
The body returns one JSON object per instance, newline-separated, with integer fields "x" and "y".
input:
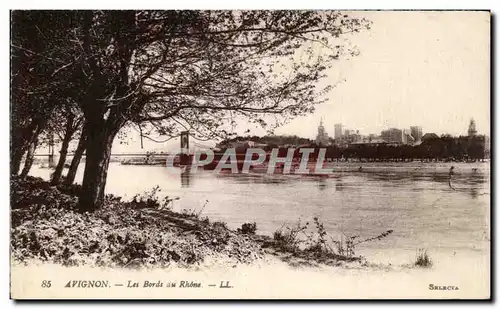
{"x": 429, "y": 69}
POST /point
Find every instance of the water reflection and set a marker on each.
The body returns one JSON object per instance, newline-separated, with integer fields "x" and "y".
{"x": 254, "y": 178}
{"x": 398, "y": 179}
{"x": 339, "y": 186}
{"x": 473, "y": 193}
{"x": 186, "y": 178}
{"x": 471, "y": 184}
{"x": 322, "y": 183}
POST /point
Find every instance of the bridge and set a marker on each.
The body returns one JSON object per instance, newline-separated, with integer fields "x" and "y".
{"x": 184, "y": 143}
{"x": 122, "y": 154}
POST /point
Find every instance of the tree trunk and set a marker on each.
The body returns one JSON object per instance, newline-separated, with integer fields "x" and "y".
{"x": 70, "y": 177}
{"x": 68, "y": 134}
{"x": 98, "y": 152}
{"x": 56, "y": 176}
{"x": 22, "y": 138}
{"x": 30, "y": 154}
{"x": 20, "y": 144}
{"x": 15, "y": 160}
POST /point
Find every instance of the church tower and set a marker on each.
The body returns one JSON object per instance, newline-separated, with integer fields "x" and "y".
{"x": 472, "y": 128}
{"x": 322, "y": 137}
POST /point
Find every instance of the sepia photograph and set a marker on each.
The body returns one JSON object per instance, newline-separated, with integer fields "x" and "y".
{"x": 250, "y": 154}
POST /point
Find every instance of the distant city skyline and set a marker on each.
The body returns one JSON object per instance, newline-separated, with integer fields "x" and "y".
{"x": 133, "y": 140}
{"x": 415, "y": 129}
{"x": 329, "y": 127}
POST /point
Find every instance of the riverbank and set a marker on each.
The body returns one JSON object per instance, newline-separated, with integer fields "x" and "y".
{"x": 421, "y": 208}
{"x": 48, "y": 235}
{"x": 46, "y": 227}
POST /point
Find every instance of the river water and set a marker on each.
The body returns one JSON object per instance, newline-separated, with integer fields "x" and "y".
{"x": 415, "y": 200}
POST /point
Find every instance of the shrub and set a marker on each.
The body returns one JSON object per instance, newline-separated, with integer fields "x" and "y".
{"x": 288, "y": 238}
{"x": 422, "y": 259}
{"x": 319, "y": 242}
{"x": 219, "y": 225}
{"x": 193, "y": 213}
{"x": 72, "y": 189}
{"x": 248, "y": 228}
{"x": 149, "y": 199}
{"x": 347, "y": 244}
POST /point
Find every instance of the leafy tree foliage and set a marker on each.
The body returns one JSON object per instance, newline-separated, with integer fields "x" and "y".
{"x": 42, "y": 72}
{"x": 172, "y": 71}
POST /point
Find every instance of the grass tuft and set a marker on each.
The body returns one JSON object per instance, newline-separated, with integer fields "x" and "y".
{"x": 423, "y": 259}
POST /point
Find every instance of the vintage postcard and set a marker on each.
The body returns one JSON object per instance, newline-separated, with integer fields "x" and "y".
{"x": 265, "y": 154}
